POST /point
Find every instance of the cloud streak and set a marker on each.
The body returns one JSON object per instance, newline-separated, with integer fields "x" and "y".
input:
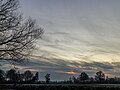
{"x": 80, "y": 35}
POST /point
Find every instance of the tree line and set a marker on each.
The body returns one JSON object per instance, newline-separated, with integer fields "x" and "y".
{"x": 13, "y": 76}
{"x": 99, "y": 77}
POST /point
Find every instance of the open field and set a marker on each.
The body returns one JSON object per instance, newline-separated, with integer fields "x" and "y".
{"x": 60, "y": 87}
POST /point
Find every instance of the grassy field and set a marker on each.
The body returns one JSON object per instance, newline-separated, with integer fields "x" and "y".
{"x": 60, "y": 87}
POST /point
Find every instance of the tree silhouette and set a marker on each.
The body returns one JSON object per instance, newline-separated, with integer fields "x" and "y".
{"x": 35, "y": 78}
{"x": 74, "y": 80}
{"x": 17, "y": 36}
{"x": 47, "y": 77}
{"x": 11, "y": 75}
{"x": 20, "y": 76}
{"x": 100, "y": 76}
{"x": 83, "y": 77}
{"x": 28, "y": 75}
{"x": 2, "y": 76}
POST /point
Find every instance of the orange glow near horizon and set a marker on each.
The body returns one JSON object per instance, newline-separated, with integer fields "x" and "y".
{"x": 71, "y": 72}
{"x": 110, "y": 75}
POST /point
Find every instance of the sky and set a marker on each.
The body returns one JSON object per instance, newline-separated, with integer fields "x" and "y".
{"x": 79, "y": 36}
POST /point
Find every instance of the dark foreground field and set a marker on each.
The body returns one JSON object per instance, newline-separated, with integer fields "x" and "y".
{"x": 60, "y": 87}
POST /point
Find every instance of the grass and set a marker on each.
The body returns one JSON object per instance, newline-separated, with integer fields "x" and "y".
{"x": 60, "y": 87}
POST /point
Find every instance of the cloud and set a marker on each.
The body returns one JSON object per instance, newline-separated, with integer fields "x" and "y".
{"x": 80, "y": 35}
{"x": 62, "y": 69}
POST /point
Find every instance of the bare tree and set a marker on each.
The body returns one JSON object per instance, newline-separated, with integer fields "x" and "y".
{"x": 17, "y": 36}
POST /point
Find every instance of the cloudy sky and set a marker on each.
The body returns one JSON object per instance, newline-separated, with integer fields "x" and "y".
{"x": 80, "y": 35}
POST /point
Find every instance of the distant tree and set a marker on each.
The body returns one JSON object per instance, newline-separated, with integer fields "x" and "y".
{"x": 47, "y": 77}
{"x": 28, "y": 75}
{"x": 35, "y": 78}
{"x": 20, "y": 76}
{"x": 11, "y": 75}
{"x": 74, "y": 80}
{"x": 107, "y": 79}
{"x": 2, "y": 76}
{"x": 70, "y": 80}
{"x": 91, "y": 79}
{"x": 17, "y": 36}
{"x": 37, "y": 75}
{"x": 100, "y": 76}
{"x": 83, "y": 77}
